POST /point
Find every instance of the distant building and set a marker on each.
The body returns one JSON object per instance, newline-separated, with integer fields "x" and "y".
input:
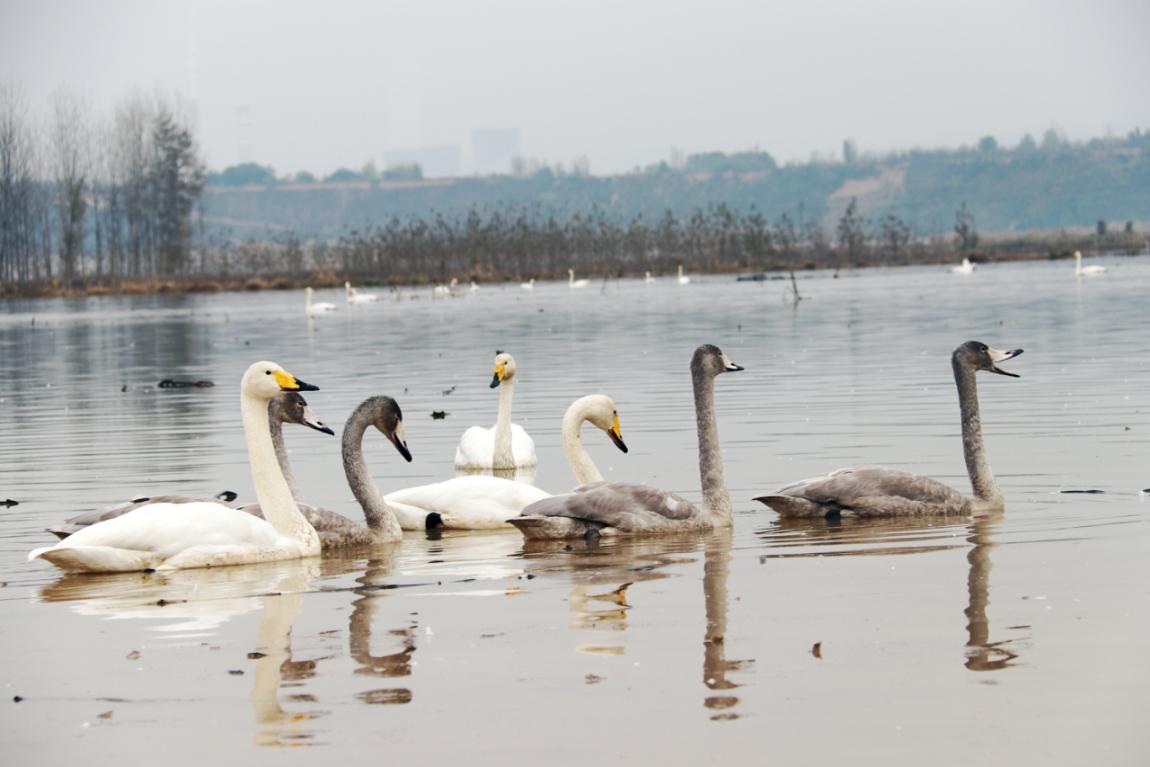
{"x": 435, "y": 161}
{"x": 493, "y": 149}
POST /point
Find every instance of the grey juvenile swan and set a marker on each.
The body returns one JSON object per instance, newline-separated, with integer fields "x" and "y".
{"x": 289, "y": 407}
{"x": 876, "y": 491}
{"x": 617, "y": 507}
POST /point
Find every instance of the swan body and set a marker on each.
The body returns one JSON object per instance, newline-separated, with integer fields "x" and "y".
{"x": 355, "y": 297}
{"x": 317, "y": 309}
{"x": 480, "y": 502}
{"x": 473, "y": 287}
{"x": 529, "y": 285}
{"x": 445, "y": 291}
{"x": 1086, "y": 271}
{"x": 171, "y": 536}
{"x": 605, "y": 508}
{"x": 505, "y": 445}
{"x": 966, "y": 267}
{"x": 647, "y": 278}
{"x": 574, "y": 283}
{"x": 683, "y": 279}
{"x": 877, "y": 491}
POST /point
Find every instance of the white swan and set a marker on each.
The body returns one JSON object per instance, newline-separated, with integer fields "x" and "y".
{"x": 617, "y": 507}
{"x": 445, "y": 291}
{"x": 683, "y": 279}
{"x": 648, "y": 278}
{"x": 172, "y": 536}
{"x": 878, "y": 491}
{"x": 966, "y": 267}
{"x": 574, "y": 283}
{"x": 315, "y": 310}
{"x": 473, "y": 287}
{"x": 1086, "y": 271}
{"x": 355, "y": 297}
{"x": 505, "y": 445}
{"x": 529, "y": 285}
{"x": 485, "y": 503}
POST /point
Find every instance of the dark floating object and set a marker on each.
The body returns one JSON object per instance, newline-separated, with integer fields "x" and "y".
{"x": 236, "y": 672}
{"x": 123, "y": 388}
{"x": 439, "y": 415}
{"x": 758, "y": 277}
{"x": 1082, "y": 492}
{"x": 9, "y": 502}
{"x": 445, "y": 391}
{"x": 817, "y": 650}
{"x": 257, "y": 655}
{"x": 227, "y": 496}
{"x": 17, "y": 698}
{"x": 170, "y": 383}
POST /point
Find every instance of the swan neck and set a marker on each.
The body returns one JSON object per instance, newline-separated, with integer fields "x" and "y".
{"x": 379, "y": 518}
{"x": 271, "y": 488}
{"x": 716, "y": 498}
{"x": 503, "y": 457}
{"x": 582, "y": 466}
{"x": 276, "y": 428}
{"x": 977, "y": 464}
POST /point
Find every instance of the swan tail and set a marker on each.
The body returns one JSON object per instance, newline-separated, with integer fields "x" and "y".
{"x": 792, "y": 506}
{"x": 94, "y": 559}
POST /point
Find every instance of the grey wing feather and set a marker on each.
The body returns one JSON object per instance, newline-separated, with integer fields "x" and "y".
{"x": 867, "y": 491}
{"x": 80, "y": 521}
{"x": 626, "y": 507}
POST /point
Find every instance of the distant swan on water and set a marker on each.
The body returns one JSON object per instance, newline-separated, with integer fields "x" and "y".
{"x": 1086, "y": 271}
{"x": 966, "y": 267}
{"x": 683, "y": 279}
{"x": 878, "y": 491}
{"x": 316, "y": 309}
{"x": 606, "y": 508}
{"x": 574, "y": 283}
{"x": 355, "y": 297}
{"x": 173, "y": 536}
{"x": 648, "y": 278}
{"x": 529, "y": 285}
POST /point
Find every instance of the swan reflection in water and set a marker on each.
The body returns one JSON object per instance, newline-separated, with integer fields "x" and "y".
{"x": 797, "y": 537}
{"x": 608, "y": 579}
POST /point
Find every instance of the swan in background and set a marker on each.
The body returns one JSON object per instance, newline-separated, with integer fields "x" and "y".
{"x": 315, "y": 310}
{"x": 505, "y": 445}
{"x": 574, "y": 283}
{"x": 289, "y": 407}
{"x": 445, "y": 291}
{"x": 966, "y": 267}
{"x": 1088, "y": 271}
{"x": 482, "y": 502}
{"x": 648, "y": 278}
{"x": 473, "y": 287}
{"x": 876, "y": 491}
{"x": 683, "y": 279}
{"x": 355, "y": 297}
{"x": 171, "y": 536}
{"x": 616, "y": 507}
{"x": 529, "y": 285}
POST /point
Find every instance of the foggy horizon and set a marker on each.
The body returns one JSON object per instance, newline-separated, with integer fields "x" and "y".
{"x": 299, "y": 87}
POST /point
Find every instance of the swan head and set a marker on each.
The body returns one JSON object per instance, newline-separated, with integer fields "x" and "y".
{"x": 293, "y": 408}
{"x": 308, "y": 290}
{"x": 503, "y": 369}
{"x": 978, "y": 356}
{"x": 388, "y": 418}
{"x": 711, "y": 360}
{"x": 1077, "y": 255}
{"x": 266, "y": 380}
{"x": 600, "y": 410}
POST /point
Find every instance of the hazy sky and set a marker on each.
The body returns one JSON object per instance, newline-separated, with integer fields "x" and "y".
{"x": 331, "y": 83}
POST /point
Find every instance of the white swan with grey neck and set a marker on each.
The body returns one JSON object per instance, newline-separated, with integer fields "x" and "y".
{"x": 878, "y": 491}
{"x": 166, "y": 536}
{"x": 506, "y": 445}
{"x": 633, "y": 509}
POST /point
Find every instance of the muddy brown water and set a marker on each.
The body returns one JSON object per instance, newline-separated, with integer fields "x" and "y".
{"x": 1018, "y": 638}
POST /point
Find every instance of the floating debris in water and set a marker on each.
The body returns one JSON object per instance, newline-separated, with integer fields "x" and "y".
{"x": 236, "y": 671}
{"x": 257, "y": 655}
{"x": 817, "y": 650}
{"x": 385, "y": 697}
{"x": 169, "y": 383}
{"x": 17, "y": 698}
{"x": 1082, "y": 492}
{"x": 448, "y": 390}
{"x": 438, "y": 415}
{"x": 104, "y": 715}
{"x": 592, "y": 679}
{"x": 123, "y": 388}
{"x": 133, "y": 655}
{"x": 9, "y": 502}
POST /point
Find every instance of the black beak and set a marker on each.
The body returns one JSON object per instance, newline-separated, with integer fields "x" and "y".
{"x": 301, "y": 386}
{"x": 732, "y": 367}
{"x": 320, "y": 426}
{"x": 617, "y": 440}
{"x": 495, "y": 380}
{"x": 401, "y": 446}
{"x": 1009, "y": 356}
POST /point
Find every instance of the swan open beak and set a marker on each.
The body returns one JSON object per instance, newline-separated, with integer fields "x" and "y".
{"x": 312, "y": 421}
{"x": 616, "y": 435}
{"x": 397, "y": 438}
{"x": 998, "y": 355}
{"x": 729, "y": 366}
{"x": 288, "y": 382}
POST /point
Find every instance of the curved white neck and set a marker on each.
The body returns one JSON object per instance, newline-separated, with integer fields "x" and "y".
{"x": 581, "y": 464}
{"x": 503, "y": 457}
{"x": 271, "y": 488}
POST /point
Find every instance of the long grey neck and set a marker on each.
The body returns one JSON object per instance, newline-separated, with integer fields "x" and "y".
{"x": 716, "y": 498}
{"x": 277, "y": 430}
{"x": 380, "y": 520}
{"x": 977, "y": 465}
{"x": 503, "y": 457}
{"x": 580, "y": 462}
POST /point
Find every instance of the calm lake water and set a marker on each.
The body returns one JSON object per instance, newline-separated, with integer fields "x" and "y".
{"x": 1020, "y": 638}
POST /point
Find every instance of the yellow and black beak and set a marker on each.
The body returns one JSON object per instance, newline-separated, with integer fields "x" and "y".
{"x": 616, "y": 435}
{"x": 288, "y": 382}
{"x": 397, "y": 438}
{"x": 497, "y": 378}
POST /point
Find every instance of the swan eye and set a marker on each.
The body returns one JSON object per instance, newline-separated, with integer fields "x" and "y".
{"x": 267, "y": 372}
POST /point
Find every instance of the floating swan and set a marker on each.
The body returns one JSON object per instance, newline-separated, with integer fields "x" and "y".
{"x": 1087, "y": 271}
{"x": 315, "y": 310}
{"x": 473, "y": 287}
{"x": 505, "y": 445}
{"x": 529, "y": 285}
{"x": 616, "y": 507}
{"x": 289, "y": 407}
{"x": 683, "y": 279}
{"x": 483, "y": 502}
{"x": 574, "y": 283}
{"x": 876, "y": 491}
{"x": 172, "y": 536}
{"x": 355, "y": 297}
{"x": 445, "y": 291}
{"x": 966, "y": 267}
{"x": 648, "y": 278}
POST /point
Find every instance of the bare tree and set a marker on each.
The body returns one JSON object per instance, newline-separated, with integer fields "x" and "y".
{"x": 70, "y": 153}
{"x": 17, "y": 189}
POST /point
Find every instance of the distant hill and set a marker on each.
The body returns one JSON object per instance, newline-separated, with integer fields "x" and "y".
{"x": 1052, "y": 185}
